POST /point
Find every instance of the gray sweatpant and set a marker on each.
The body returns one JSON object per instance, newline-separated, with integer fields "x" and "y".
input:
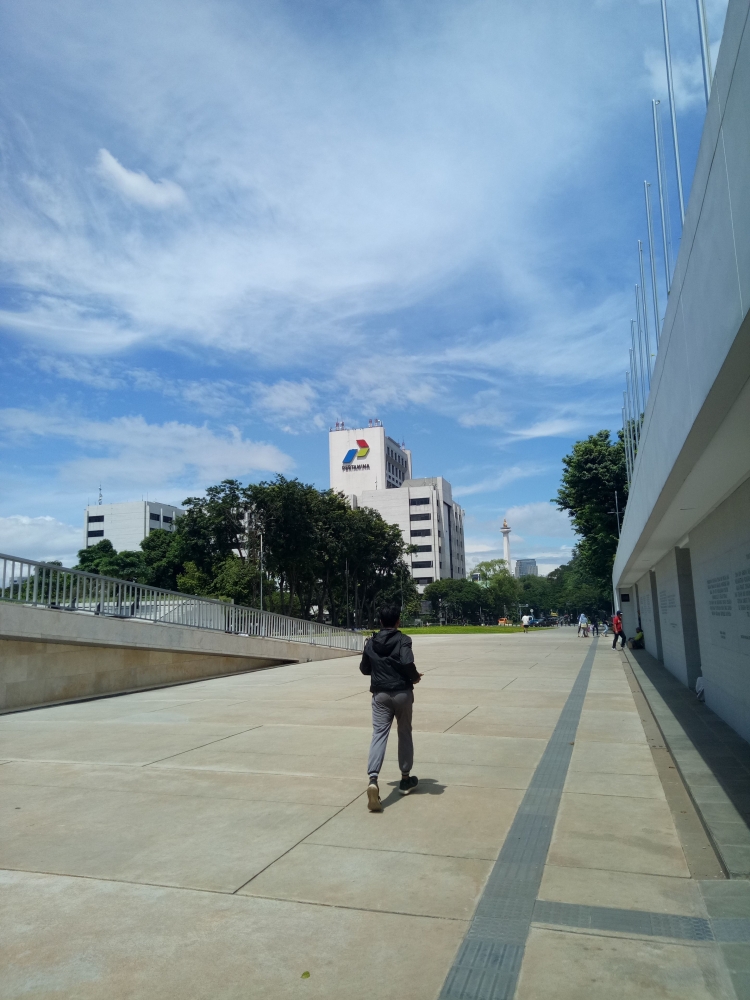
{"x": 385, "y": 706}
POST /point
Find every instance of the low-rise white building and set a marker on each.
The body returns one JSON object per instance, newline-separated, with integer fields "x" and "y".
{"x": 127, "y": 524}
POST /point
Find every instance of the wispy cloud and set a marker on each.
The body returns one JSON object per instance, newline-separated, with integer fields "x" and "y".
{"x": 500, "y": 479}
{"x": 137, "y": 186}
{"x": 42, "y": 538}
{"x": 132, "y": 456}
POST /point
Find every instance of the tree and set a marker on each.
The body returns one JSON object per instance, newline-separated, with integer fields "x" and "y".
{"x": 592, "y": 473}
{"x": 104, "y": 560}
{"x": 489, "y": 569}
{"x": 459, "y": 599}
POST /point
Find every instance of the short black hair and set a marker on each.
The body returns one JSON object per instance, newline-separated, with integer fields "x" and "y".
{"x": 389, "y": 615}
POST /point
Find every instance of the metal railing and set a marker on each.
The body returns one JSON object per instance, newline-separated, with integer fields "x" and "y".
{"x": 46, "y": 585}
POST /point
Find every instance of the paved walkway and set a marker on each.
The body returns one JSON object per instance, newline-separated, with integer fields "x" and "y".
{"x": 212, "y": 840}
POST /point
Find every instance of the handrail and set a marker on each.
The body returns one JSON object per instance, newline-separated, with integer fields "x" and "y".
{"x": 26, "y": 581}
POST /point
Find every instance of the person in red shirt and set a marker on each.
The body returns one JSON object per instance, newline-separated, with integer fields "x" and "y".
{"x": 618, "y": 630}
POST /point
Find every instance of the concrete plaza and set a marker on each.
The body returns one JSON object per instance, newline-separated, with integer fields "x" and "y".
{"x": 212, "y": 839}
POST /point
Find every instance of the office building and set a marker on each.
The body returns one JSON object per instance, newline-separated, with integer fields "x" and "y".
{"x": 127, "y": 524}
{"x": 683, "y": 562}
{"x": 366, "y": 459}
{"x": 526, "y": 567}
{"x": 374, "y": 471}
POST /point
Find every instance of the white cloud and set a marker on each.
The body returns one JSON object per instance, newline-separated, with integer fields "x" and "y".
{"x": 138, "y": 186}
{"x": 132, "y": 456}
{"x": 539, "y": 519}
{"x": 80, "y": 370}
{"x": 40, "y": 538}
{"x": 502, "y": 478}
{"x": 285, "y": 403}
{"x": 324, "y": 192}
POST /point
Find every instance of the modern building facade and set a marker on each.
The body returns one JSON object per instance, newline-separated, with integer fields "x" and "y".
{"x": 526, "y": 567}
{"x": 683, "y": 563}
{"x": 379, "y": 469}
{"x": 127, "y": 524}
{"x": 365, "y": 458}
{"x": 429, "y": 519}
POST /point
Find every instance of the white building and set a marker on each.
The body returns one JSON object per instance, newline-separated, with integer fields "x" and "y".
{"x": 374, "y": 471}
{"x": 683, "y": 562}
{"x": 127, "y": 524}
{"x": 526, "y": 567}
{"x": 366, "y": 458}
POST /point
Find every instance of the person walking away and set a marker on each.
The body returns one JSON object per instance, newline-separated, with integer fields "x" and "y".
{"x": 582, "y": 623}
{"x": 525, "y": 621}
{"x": 595, "y": 627}
{"x": 388, "y": 661}
{"x": 618, "y": 631}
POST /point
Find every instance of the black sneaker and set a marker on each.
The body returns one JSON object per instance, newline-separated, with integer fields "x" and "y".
{"x": 407, "y": 784}
{"x": 373, "y": 797}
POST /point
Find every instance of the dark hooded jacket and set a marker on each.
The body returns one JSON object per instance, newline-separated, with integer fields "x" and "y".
{"x": 389, "y": 662}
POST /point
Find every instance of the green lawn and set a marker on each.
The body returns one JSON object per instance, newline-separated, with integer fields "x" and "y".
{"x": 463, "y": 629}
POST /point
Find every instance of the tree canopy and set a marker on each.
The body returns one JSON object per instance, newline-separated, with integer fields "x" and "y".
{"x": 592, "y": 474}
{"x": 320, "y": 558}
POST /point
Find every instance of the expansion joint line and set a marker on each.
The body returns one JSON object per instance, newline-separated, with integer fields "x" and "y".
{"x": 489, "y": 960}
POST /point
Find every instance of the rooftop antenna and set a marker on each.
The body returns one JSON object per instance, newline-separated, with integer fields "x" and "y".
{"x": 101, "y": 498}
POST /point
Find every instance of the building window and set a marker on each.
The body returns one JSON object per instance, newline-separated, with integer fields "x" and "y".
{"x": 167, "y": 520}
{"x": 154, "y": 517}
{"x": 423, "y": 548}
{"x": 95, "y": 517}
{"x": 423, "y": 579}
{"x": 419, "y": 517}
{"x": 421, "y": 533}
{"x": 96, "y": 534}
{"x": 425, "y": 564}
{"x": 419, "y": 501}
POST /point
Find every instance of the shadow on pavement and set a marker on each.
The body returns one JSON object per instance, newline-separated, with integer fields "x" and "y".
{"x": 426, "y": 786}
{"x": 700, "y": 735}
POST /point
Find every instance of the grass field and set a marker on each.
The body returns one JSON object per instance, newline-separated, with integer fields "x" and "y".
{"x": 463, "y": 629}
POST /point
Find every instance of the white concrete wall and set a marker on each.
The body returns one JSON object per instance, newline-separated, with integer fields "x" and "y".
{"x": 702, "y": 362}
{"x": 648, "y": 621}
{"x": 720, "y": 549}
{"x": 670, "y": 612}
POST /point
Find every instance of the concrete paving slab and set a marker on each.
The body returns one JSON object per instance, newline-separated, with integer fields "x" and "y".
{"x": 88, "y": 939}
{"x": 179, "y": 840}
{"x": 448, "y": 820}
{"x": 611, "y": 727}
{"x": 616, "y": 832}
{"x": 113, "y": 742}
{"x": 568, "y": 966}
{"x": 213, "y": 759}
{"x": 622, "y": 890}
{"x": 612, "y": 758}
{"x": 423, "y": 884}
{"x": 160, "y": 780}
{"x": 646, "y": 786}
{"x": 278, "y": 814}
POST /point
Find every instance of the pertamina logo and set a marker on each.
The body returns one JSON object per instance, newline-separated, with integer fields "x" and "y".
{"x": 354, "y": 454}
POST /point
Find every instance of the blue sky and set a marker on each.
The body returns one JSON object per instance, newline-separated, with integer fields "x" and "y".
{"x": 226, "y": 226}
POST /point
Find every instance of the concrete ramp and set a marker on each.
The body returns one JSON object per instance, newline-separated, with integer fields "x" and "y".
{"x": 49, "y": 656}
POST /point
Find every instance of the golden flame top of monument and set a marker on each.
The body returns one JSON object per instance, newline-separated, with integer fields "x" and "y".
{"x": 505, "y": 523}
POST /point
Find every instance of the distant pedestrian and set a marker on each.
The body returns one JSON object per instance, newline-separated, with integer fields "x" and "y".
{"x": 618, "y": 631}
{"x": 595, "y": 627}
{"x": 389, "y": 662}
{"x": 583, "y": 624}
{"x": 525, "y": 621}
